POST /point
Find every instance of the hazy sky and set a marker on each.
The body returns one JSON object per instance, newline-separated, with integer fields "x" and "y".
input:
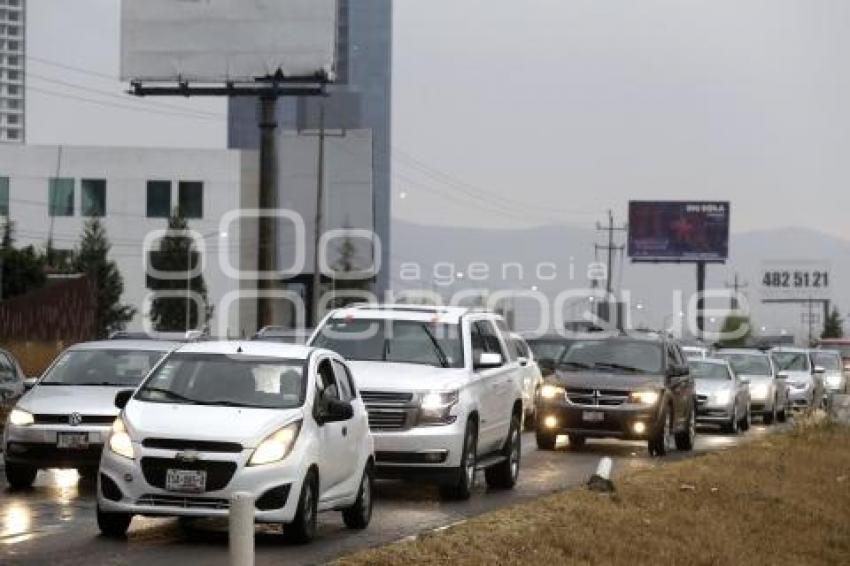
{"x": 510, "y": 112}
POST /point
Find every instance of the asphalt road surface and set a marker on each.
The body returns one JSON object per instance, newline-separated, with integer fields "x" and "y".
{"x": 54, "y": 523}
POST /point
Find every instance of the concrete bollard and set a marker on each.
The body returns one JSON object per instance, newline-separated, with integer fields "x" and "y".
{"x": 601, "y": 480}
{"x": 242, "y": 529}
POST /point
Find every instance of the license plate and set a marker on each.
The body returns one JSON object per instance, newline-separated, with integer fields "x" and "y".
{"x": 186, "y": 481}
{"x": 72, "y": 440}
{"x": 593, "y": 416}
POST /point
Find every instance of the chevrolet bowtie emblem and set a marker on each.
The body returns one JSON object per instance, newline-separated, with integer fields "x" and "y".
{"x": 187, "y": 456}
{"x": 75, "y": 419}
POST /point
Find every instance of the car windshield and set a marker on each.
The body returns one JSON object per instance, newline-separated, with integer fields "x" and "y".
{"x": 548, "y": 349}
{"x": 226, "y": 380}
{"x": 118, "y": 368}
{"x": 827, "y": 360}
{"x": 614, "y": 355}
{"x": 748, "y": 364}
{"x": 398, "y": 341}
{"x": 708, "y": 370}
{"x": 791, "y": 361}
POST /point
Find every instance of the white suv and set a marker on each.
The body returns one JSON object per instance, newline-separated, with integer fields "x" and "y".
{"x": 442, "y": 388}
{"x": 282, "y": 422}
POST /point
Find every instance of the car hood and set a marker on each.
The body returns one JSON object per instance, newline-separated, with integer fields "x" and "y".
{"x": 709, "y": 386}
{"x": 605, "y": 380}
{"x": 65, "y": 399}
{"x": 384, "y": 376}
{"x": 247, "y": 427}
{"x": 798, "y": 376}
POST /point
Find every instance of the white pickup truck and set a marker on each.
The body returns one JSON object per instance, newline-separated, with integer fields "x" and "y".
{"x": 442, "y": 387}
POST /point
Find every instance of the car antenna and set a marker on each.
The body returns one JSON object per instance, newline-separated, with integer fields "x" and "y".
{"x": 238, "y": 349}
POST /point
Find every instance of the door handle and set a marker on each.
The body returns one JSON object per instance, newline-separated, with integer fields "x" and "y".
{"x": 345, "y": 431}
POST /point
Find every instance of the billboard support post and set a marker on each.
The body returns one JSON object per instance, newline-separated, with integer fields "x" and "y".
{"x": 701, "y": 268}
{"x": 266, "y": 249}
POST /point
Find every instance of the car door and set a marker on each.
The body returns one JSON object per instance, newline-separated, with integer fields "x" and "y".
{"x": 678, "y": 379}
{"x": 334, "y": 467}
{"x": 741, "y": 390}
{"x": 358, "y": 426}
{"x": 495, "y": 413}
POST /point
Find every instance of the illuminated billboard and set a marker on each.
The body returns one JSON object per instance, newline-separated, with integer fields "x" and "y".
{"x": 678, "y": 231}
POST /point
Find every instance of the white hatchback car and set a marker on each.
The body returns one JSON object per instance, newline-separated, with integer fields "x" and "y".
{"x": 283, "y": 423}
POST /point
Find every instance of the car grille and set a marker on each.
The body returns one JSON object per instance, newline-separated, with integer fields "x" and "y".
{"x": 597, "y": 397}
{"x": 702, "y": 399}
{"x": 66, "y": 419}
{"x": 196, "y": 445}
{"x": 389, "y": 410}
{"x": 183, "y": 502}
{"x": 219, "y": 473}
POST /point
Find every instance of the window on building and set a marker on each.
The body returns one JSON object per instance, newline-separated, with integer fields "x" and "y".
{"x": 159, "y": 199}
{"x": 4, "y": 196}
{"x": 12, "y": 119}
{"x": 191, "y": 199}
{"x": 94, "y": 197}
{"x": 61, "y": 197}
{"x": 13, "y": 134}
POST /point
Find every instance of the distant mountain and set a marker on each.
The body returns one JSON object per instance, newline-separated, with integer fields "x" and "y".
{"x": 555, "y": 258}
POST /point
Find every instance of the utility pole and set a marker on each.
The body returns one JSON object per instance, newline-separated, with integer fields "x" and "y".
{"x": 610, "y": 249}
{"x": 736, "y": 285}
{"x": 320, "y": 203}
{"x": 267, "y": 248}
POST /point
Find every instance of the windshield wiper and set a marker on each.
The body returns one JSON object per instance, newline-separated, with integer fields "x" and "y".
{"x": 441, "y": 355}
{"x": 577, "y": 365}
{"x": 102, "y": 384}
{"x": 169, "y": 393}
{"x": 608, "y": 365}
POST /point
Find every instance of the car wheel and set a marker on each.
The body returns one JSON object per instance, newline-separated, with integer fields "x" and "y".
{"x": 747, "y": 420}
{"x": 303, "y": 528}
{"x": 462, "y": 486}
{"x": 768, "y": 418}
{"x": 504, "y": 474}
{"x": 545, "y": 440}
{"x": 577, "y": 441}
{"x": 661, "y": 441}
{"x": 358, "y": 515}
{"x": 782, "y": 415}
{"x": 731, "y": 427}
{"x": 113, "y": 525}
{"x": 685, "y": 439}
{"x": 20, "y": 476}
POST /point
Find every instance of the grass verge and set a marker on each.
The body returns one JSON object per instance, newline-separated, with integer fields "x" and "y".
{"x": 783, "y": 499}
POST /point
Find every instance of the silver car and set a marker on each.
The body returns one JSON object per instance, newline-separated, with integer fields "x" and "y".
{"x": 830, "y": 362}
{"x": 805, "y": 386}
{"x": 64, "y": 420}
{"x": 723, "y": 397}
{"x": 768, "y": 389}
{"x": 11, "y": 378}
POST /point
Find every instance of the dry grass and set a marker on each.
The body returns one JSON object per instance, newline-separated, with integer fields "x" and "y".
{"x": 785, "y": 499}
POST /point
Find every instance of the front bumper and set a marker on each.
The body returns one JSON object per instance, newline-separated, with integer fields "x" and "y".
{"x": 37, "y": 446}
{"x": 140, "y": 490}
{"x": 419, "y": 452}
{"x": 714, "y": 413}
{"x": 583, "y": 420}
{"x": 801, "y": 397}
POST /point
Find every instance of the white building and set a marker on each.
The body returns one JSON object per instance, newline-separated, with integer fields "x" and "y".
{"x": 12, "y": 62}
{"x": 49, "y": 192}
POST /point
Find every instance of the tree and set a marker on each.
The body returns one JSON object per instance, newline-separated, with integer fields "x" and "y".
{"x": 736, "y": 331}
{"x": 176, "y": 254}
{"x": 834, "y": 327}
{"x": 348, "y": 261}
{"x": 22, "y": 269}
{"x": 92, "y": 258}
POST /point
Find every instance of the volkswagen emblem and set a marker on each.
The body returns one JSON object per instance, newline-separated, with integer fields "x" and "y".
{"x": 187, "y": 456}
{"x": 75, "y": 419}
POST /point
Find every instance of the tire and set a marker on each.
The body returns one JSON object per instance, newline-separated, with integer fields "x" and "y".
{"x": 577, "y": 442}
{"x": 302, "y": 529}
{"x": 768, "y": 418}
{"x": 746, "y": 421}
{"x": 359, "y": 515}
{"x": 20, "y": 476}
{"x": 461, "y": 488}
{"x": 685, "y": 439}
{"x": 782, "y": 416}
{"x": 545, "y": 440}
{"x": 113, "y": 525}
{"x": 660, "y": 440}
{"x": 504, "y": 474}
{"x": 732, "y": 426}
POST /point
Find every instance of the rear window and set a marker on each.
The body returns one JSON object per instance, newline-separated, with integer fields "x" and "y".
{"x": 706, "y": 370}
{"x": 748, "y": 364}
{"x": 118, "y": 368}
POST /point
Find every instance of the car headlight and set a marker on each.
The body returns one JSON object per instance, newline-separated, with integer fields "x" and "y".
{"x": 722, "y": 397}
{"x": 19, "y": 417}
{"x": 644, "y": 397}
{"x": 435, "y": 407}
{"x": 119, "y": 441}
{"x": 833, "y": 380}
{"x": 276, "y": 446}
{"x": 759, "y": 391}
{"x": 550, "y": 391}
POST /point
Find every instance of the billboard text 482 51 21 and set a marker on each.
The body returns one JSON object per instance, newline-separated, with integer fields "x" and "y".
{"x": 678, "y": 231}
{"x": 218, "y": 41}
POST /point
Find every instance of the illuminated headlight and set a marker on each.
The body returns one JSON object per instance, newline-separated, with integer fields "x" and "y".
{"x": 644, "y": 397}
{"x": 276, "y": 446}
{"x": 19, "y": 417}
{"x": 119, "y": 440}
{"x": 759, "y": 391}
{"x": 550, "y": 391}
{"x": 435, "y": 407}
{"x": 722, "y": 397}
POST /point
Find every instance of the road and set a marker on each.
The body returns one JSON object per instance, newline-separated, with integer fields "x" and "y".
{"x": 54, "y": 523}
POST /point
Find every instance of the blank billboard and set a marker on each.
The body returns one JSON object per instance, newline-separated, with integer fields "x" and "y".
{"x": 214, "y": 41}
{"x": 678, "y": 231}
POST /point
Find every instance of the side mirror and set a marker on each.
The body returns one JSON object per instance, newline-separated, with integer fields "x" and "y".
{"x": 522, "y": 361}
{"x": 820, "y": 370}
{"x": 122, "y": 398}
{"x": 29, "y": 383}
{"x": 335, "y": 411}
{"x": 488, "y": 360}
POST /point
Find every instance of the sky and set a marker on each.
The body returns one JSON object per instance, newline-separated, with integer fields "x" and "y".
{"x": 514, "y": 114}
